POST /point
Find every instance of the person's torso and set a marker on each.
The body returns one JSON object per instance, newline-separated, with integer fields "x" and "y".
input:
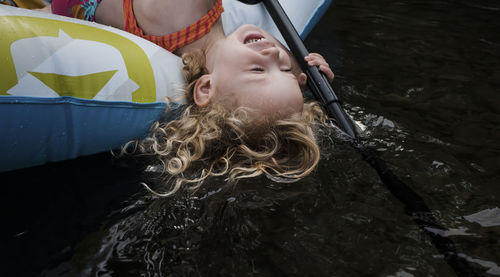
{"x": 153, "y": 17}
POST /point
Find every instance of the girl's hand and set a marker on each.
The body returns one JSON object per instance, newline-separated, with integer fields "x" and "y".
{"x": 315, "y": 59}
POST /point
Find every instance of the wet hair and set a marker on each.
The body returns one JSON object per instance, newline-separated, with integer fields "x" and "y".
{"x": 212, "y": 141}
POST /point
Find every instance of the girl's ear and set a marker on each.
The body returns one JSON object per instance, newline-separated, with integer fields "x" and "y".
{"x": 203, "y": 91}
{"x": 302, "y": 79}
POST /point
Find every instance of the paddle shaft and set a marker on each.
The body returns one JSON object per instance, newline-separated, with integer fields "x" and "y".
{"x": 415, "y": 206}
{"x": 317, "y": 81}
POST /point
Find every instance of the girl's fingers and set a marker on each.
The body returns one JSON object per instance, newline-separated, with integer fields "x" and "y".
{"x": 328, "y": 72}
{"x": 316, "y": 55}
{"x": 317, "y": 62}
{"x": 315, "y": 59}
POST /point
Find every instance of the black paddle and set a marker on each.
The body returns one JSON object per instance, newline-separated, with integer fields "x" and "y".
{"x": 415, "y": 206}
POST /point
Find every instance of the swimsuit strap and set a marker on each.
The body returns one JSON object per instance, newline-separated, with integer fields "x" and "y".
{"x": 180, "y": 38}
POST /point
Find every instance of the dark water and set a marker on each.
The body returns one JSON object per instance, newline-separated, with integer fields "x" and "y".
{"x": 422, "y": 76}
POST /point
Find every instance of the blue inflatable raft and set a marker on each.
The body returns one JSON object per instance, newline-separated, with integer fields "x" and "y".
{"x": 70, "y": 88}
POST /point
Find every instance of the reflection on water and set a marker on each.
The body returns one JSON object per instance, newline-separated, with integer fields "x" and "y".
{"x": 486, "y": 218}
{"x": 421, "y": 76}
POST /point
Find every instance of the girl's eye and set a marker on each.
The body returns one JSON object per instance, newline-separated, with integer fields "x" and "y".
{"x": 258, "y": 69}
{"x": 287, "y": 70}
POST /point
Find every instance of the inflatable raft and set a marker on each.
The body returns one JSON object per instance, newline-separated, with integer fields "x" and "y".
{"x": 70, "y": 88}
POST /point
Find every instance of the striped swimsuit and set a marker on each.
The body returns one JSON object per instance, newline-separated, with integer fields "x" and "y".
{"x": 180, "y": 38}
{"x": 85, "y": 9}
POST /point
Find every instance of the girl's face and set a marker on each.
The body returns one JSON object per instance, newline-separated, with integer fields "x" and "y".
{"x": 251, "y": 69}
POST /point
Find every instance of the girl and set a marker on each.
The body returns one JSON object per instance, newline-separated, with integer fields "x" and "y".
{"x": 245, "y": 115}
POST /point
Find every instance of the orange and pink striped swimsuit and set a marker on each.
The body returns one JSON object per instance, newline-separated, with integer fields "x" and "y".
{"x": 180, "y": 38}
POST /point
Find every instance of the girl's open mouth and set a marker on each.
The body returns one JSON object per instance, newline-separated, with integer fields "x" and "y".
{"x": 253, "y": 38}
{"x": 257, "y": 42}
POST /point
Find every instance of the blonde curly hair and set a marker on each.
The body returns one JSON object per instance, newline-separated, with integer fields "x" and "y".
{"x": 213, "y": 141}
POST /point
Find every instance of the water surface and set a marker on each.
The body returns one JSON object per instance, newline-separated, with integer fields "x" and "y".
{"x": 422, "y": 76}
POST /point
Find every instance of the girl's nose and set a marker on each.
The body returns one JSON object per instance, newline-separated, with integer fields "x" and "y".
{"x": 276, "y": 55}
{"x": 272, "y": 52}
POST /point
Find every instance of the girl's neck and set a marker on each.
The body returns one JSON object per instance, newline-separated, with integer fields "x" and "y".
{"x": 207, "y": 44}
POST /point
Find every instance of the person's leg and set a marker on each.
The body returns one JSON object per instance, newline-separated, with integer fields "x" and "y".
{"x": 30, "y": 4}
{"x": 46, "y": 9}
